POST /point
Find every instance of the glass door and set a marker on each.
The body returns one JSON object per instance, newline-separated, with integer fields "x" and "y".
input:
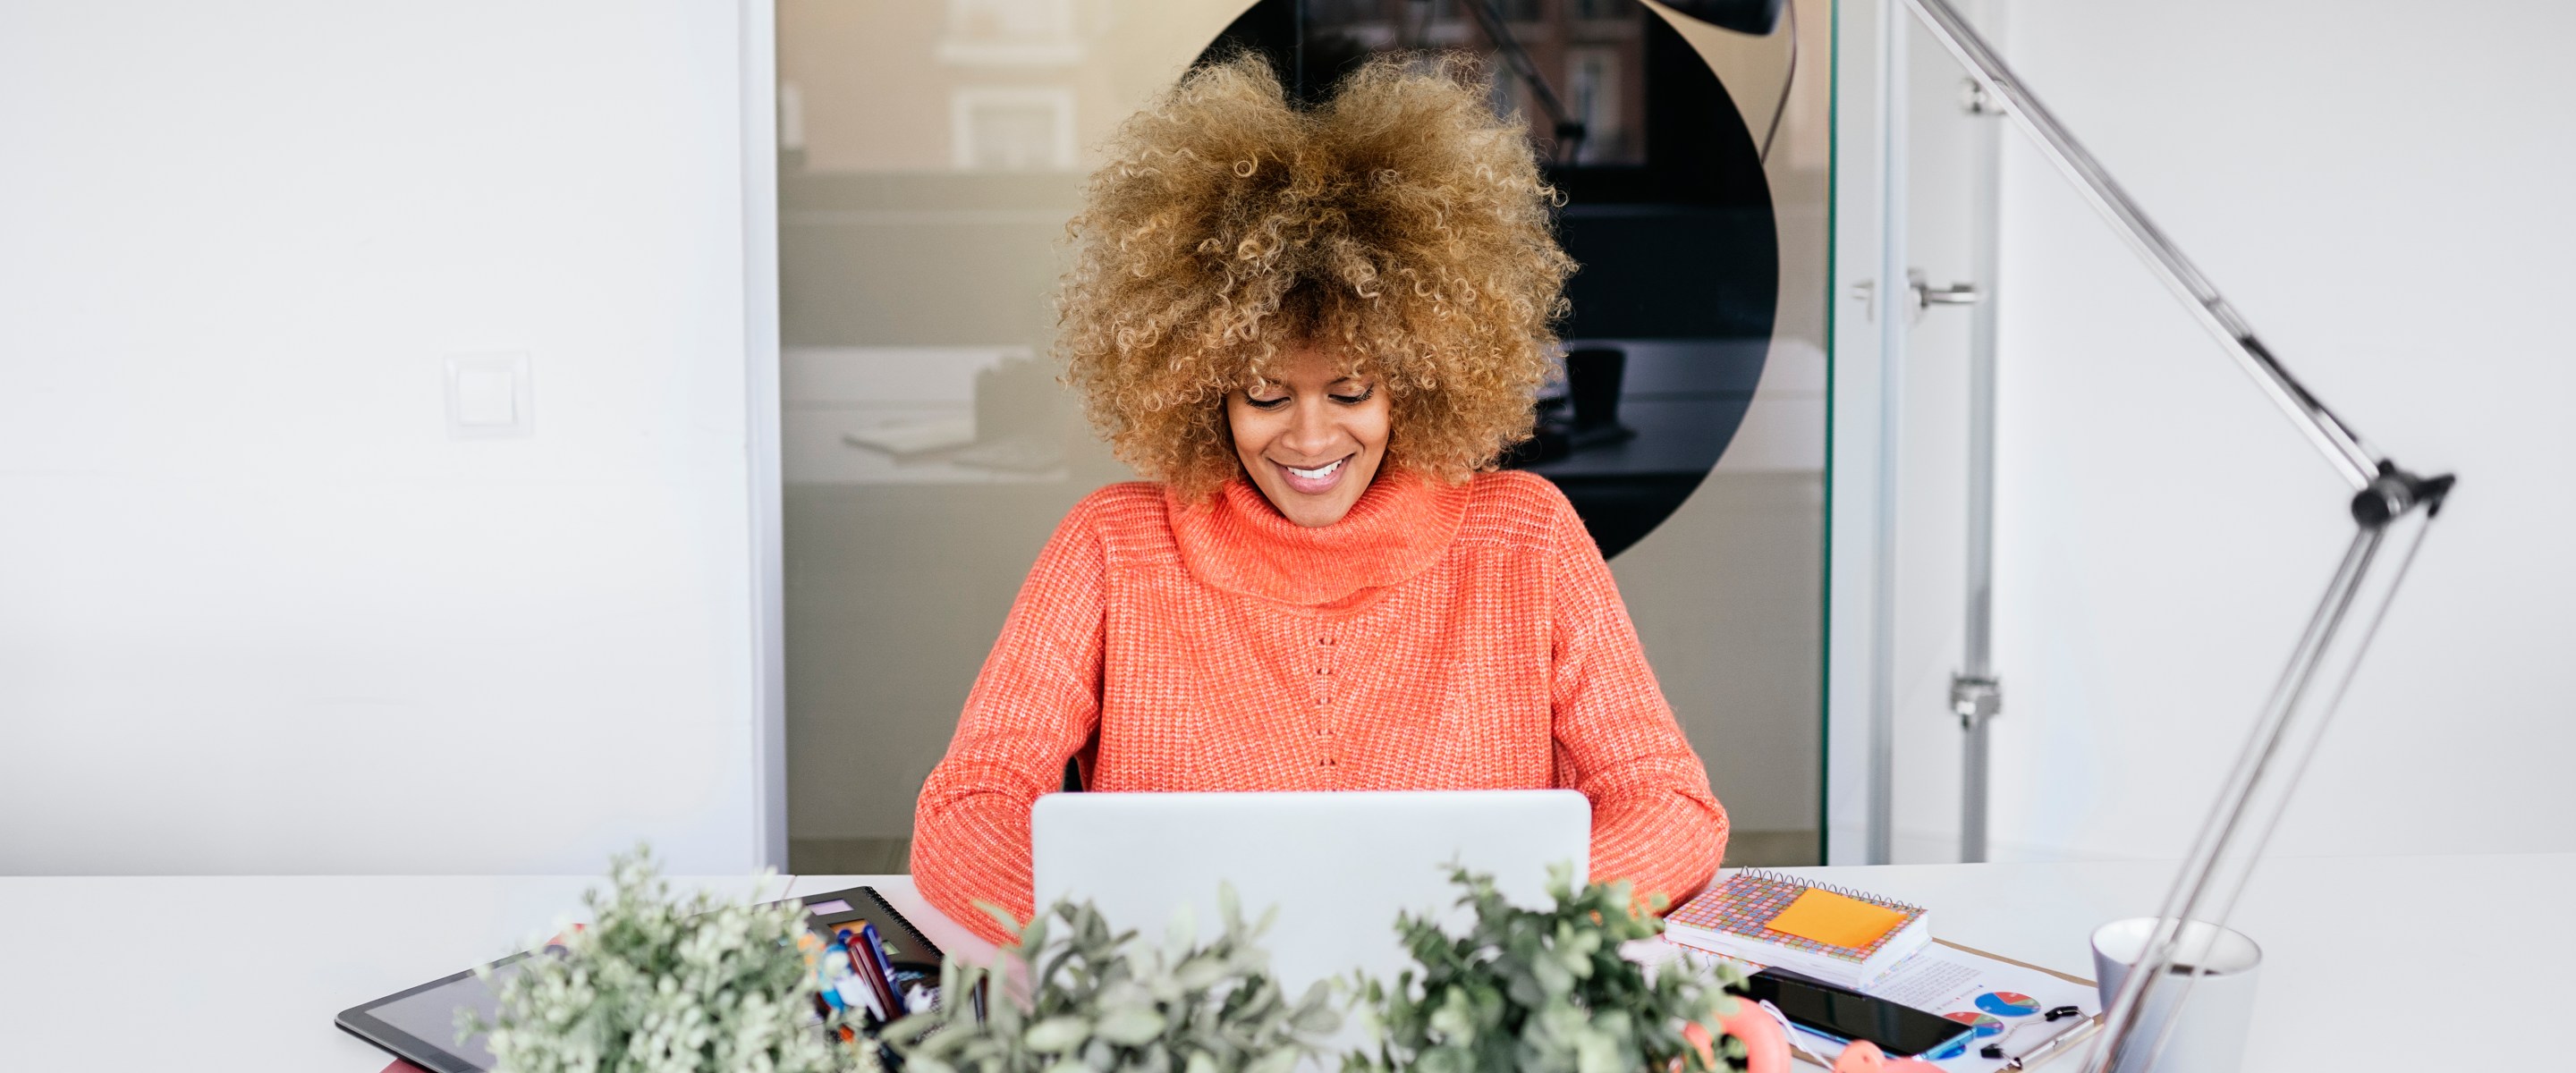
{"x": 1912, "y": 685}
{"x": 1944, "y": 445}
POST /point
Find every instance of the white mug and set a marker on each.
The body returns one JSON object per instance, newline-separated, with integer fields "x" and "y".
{"x": 2210, "y": 1037}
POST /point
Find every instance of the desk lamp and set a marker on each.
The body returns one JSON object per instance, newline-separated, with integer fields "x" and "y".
{"x": 2386, "y": 499}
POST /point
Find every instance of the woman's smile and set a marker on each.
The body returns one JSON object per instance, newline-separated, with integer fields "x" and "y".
{"x": 1317, "y": 481}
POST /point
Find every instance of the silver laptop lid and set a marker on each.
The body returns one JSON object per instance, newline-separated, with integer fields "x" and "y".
{"x": 1339, "y": 865}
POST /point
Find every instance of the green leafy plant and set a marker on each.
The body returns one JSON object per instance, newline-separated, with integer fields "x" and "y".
{"x": 1540, "y": 991}
{"x": 1077, "y": 997}
{"x": 656, "y": 984}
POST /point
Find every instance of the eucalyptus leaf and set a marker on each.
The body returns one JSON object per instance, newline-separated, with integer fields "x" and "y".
{"x": 1277, "y": 1061}
{"x": 1132, "y": 1026}
{"x": 1057, "y": 1034}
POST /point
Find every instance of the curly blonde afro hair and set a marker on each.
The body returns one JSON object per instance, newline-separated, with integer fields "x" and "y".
{"x": 1400, "y": 227}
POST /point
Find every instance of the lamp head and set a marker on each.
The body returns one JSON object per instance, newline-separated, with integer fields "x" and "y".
{"x": 2394, "y": 492}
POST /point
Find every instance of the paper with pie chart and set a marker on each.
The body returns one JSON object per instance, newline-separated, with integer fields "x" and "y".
{"x": 2004, "y": 1002}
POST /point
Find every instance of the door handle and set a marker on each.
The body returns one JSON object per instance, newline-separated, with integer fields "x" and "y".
{"x": 1925, "y": 295}
{"x": 1957, "y": 294}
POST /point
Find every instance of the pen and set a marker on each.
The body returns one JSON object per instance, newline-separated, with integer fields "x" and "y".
{"x": 2054, "y": 1044}
{"x": 869, "y": 976}
{"x": 885, "y": 970}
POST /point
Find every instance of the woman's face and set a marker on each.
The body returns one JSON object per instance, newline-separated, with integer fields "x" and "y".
{"x": 1310, "y": 437}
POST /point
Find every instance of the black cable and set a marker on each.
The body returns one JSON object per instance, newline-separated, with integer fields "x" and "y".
{"x": 1297, "y": 50}
{"x": 1787, "y": 80}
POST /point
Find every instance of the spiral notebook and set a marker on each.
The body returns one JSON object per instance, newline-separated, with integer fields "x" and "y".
{"x": 1834, "y": 934}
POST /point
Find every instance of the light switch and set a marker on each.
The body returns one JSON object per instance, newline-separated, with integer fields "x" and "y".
{"x": 484, "y": 398}
{"x": 489, "y": 395}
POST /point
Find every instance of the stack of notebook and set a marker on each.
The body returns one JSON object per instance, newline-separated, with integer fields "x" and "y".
{"x": 1839, "y": 936}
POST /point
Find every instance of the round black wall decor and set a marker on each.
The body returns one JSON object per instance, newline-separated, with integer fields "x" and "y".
{"x": 1666, "y": 209}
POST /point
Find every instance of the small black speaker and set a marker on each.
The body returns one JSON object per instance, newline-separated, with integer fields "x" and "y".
{"x": 1593, "y": 377}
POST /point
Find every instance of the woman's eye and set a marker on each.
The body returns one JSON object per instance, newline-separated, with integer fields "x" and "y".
{"x": 1356, "y": 399}
{"x": 1266, "y": 404}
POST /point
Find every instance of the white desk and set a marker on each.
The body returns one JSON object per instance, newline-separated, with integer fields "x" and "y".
{"x": 266, "y": 961}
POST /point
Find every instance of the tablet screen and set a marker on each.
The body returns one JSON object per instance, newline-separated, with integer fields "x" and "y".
{"x": 430, "y": 1016}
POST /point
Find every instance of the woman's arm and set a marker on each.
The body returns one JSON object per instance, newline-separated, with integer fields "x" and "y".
{"x": 1654, "y": 821}
{"x": 1035, "y": 703}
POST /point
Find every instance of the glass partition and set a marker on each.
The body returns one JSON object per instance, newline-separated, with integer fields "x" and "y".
{"x": 931, "y": 154}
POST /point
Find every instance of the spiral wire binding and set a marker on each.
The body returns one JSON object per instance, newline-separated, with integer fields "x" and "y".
{"x": 894, "y": 916}
{"x": 1784, "y": 879}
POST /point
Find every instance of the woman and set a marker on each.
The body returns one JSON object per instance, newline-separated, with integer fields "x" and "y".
{"x": 1316, "y": 330}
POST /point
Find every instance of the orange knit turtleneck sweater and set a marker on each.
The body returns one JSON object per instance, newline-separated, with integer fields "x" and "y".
{"x": 1439, "y": 637}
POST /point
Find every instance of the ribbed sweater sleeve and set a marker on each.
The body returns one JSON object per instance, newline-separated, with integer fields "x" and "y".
{"x": 1654, "y": 821}
{"x": 1035, "y": 703}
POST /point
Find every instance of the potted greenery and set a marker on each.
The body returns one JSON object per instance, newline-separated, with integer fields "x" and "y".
{"x": 655, "y": 984}
{"x": 1077, "y": 997}
{"x": 1543, "y": 991}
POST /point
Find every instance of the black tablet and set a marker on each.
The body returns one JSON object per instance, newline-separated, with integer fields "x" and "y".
{"x": 418, "y": 1025}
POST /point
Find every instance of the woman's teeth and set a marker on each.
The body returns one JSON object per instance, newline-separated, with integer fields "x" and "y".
{"x": 1317, "y": 474}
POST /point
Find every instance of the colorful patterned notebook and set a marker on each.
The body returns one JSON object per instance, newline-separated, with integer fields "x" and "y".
{"x": 1836, "y": 935}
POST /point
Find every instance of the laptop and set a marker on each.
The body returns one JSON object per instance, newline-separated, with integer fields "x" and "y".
{"x": 1338, "y": 865}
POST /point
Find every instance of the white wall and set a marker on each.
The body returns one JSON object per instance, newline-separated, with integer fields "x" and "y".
{"x": 2381, "y": 188}
{"x": 258, "y": 611}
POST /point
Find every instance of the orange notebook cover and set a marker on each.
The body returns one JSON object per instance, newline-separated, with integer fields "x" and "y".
{"x": 1770, "y": 918}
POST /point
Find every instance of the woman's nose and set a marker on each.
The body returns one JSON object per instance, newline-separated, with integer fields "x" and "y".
{"x": 1310, "y": 431}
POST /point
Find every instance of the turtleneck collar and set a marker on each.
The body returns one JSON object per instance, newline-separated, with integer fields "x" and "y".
{"x": 1236, "y": 541}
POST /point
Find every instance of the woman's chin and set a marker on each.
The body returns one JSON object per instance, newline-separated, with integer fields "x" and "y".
{"x": 1321, "y": 515}
{"x": 1309, "y": 510}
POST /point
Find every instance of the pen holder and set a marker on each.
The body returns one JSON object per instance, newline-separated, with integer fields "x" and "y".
{"x": 2209, "y": 1036}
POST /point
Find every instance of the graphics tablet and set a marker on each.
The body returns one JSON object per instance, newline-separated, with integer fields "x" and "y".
{"x": 418, "y": 1025}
